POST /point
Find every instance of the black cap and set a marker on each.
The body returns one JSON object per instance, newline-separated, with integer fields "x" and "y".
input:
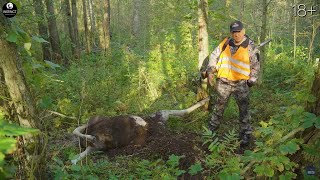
{"x": 236, "y": 26}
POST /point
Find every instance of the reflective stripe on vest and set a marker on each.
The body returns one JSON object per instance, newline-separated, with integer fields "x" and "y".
{"x": 235, "y": 67}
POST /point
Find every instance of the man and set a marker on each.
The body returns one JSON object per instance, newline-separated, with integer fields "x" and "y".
{"x": 236, "y": 62}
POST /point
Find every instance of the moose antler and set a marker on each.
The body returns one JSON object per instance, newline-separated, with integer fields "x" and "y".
{"x": 165, "y": 114}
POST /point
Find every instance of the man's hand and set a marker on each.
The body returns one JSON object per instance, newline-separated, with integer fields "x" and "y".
{"x": 210, "y": 75}
{"x": 210, "y": 70}
{"x": 210, "y": 79}
{"x": 251, "y": 81}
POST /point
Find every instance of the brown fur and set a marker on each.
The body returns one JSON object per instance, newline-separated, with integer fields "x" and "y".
{"x": 114, "y": 132}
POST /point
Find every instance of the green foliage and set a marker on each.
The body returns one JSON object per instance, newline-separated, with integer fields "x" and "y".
{"x": 227, "y": 144}
{"x": 18, "y": 36}
{"x": 123, "y": 169}
{"x": 153, "y": 71}
{"x": 8, "y": 142}
{"x": 221, "y": 160}
{"x": 194, "y": 169}
{"x": 289, "y": 148}
{"x": 270, "y": 156}
{"x": 264, "y": 170}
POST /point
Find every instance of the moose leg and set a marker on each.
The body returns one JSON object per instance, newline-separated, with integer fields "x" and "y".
{"x": 78, "y": 131}
{"x": 88, "y": 150}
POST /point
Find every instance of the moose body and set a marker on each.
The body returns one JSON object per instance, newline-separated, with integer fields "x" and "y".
{"x": 103, "y": 133}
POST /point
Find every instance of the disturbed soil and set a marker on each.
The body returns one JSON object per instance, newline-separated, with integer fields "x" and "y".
{"x": 161, "y": 143}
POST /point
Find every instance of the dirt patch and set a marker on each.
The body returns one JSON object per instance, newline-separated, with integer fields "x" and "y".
{"x": 161, "y": 143}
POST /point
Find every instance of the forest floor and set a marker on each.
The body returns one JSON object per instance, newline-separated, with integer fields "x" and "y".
{"x": 161, "y": 143}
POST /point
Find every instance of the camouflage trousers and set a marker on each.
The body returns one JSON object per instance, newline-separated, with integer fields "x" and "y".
{"x": 240, "y": 91}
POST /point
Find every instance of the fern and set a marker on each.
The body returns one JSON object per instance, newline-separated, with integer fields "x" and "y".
{"x": 311, "y": 152}
{"x": 221, "y": 159}
{"x": 230, "y": 141}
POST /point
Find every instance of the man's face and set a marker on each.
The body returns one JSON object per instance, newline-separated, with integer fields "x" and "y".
{"x": 238, "y": 35}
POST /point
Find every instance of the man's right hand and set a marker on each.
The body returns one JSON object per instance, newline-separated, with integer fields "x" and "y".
{"x": 210, "y": 75}
{"x": 210, "y": 70}
{"x": 251, "y": 81}
{"x": 210, "y": 79}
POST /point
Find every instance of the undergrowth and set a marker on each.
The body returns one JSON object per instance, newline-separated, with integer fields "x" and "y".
{"x": 127, "y": 83}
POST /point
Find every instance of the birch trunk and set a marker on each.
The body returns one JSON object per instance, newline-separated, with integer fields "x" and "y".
{"x": 106, "y": 25}
{"x": 94, "y": 38}
{"x": 136, "y": 26}
{"x": 203, "y": 31}
{"x": 53, "y": 33}
{"x": 75, "y": 27}
{"x": 86, "y": 30}
{"x": 69, "y": 22}
{"x": 43, "y": 29}
{"x": 263, "y": 34}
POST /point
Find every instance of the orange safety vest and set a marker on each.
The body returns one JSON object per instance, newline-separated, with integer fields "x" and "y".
{"x": 233, "y": 67}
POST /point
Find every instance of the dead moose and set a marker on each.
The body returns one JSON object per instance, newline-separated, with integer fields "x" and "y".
{"x": 104, "y": 133}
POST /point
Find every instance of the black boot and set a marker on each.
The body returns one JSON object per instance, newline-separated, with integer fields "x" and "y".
{"x": 214, "y": 122}
{"x": 244, "y": 142}
{"x": 212, "y": 127}
{"x": 245, "y": 139}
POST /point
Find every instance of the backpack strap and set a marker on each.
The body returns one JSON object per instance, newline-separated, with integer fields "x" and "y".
{"x": 225, "y": 45}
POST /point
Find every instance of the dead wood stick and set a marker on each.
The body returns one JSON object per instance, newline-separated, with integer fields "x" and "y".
{"x": 62, "y": 115}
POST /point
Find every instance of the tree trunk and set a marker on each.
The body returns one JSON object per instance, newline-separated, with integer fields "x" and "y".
{"x": 31, "y": 159}
{"x": 313, "y": 34}
{"x": 294, "y": 36}
{"x": 263, "y": 34}
{"x": 136, "y": 26}
{"x": 94, "y": 38}
{"x": 106, "y": 25}
{"x": 241, "y": 10}
{"x": 43, "y": 29}
{"x": 53, "y": 33}
{"x": 75, "y": 27}
{"x": 85, "y": 23}
{"x": 290, "y": 15}
{"x": 5, "y": 99}
{"x": 69, "y": 22}
{"x": 203, "y": 48}
{"x": 315, "y": 108}
{"x": 203, "y": 31}
{"x": 118, "y": 16}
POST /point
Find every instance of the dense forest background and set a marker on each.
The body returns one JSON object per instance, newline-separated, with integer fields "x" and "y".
{"x": 64, "y": 61}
